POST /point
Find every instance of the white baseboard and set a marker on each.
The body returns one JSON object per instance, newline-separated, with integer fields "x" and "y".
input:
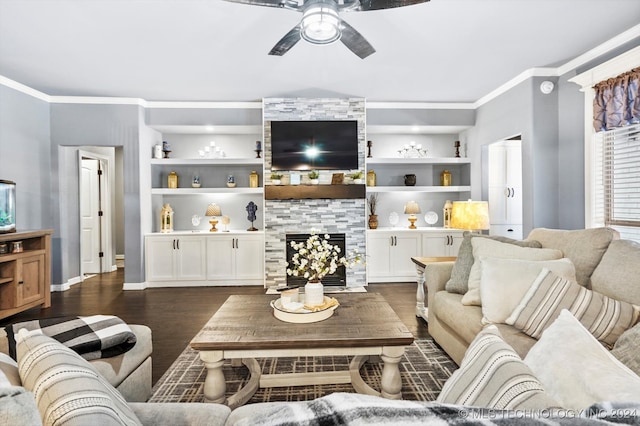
{"x": 66, "y": 286}
{"x": 135, "y": 286}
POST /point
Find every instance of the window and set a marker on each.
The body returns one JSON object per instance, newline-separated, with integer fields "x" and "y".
{"x": 617, "y": 180}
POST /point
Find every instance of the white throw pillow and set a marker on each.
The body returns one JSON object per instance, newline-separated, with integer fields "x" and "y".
{"x": 484, "y": 247}
{"x": 504, "y": 282}
{"x": 576, "y": 370}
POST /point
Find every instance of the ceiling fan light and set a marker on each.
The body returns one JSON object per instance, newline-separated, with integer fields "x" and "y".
{"x": 320, "y": 24}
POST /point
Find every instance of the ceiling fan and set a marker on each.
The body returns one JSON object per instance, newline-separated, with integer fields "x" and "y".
{"x": 321, "y": 22}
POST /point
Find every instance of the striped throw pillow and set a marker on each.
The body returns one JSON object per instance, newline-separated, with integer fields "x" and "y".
{"x": 604, "y": 317}
{"x": 67, "y": 389}
{"x": 492, "y": 375}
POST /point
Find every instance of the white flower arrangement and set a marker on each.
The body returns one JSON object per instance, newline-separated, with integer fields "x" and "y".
{"x": 316, "y": 257}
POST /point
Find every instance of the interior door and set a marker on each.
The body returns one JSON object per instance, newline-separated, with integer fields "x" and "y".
{"x": 89, "y": 216}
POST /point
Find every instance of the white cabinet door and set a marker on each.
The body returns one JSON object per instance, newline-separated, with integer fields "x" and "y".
{"x": 439, "y": 244}
{"x": 249, "y": 257}
{"x": 190, "y": 258}
{"x": 172, "y": 258}
{"x": 378, "y": 255}
{"x": 389, "y": 255}
{"x": 160, "y": 262}
{"x": 405, "y": 247}
{"x": 220, "y": 257}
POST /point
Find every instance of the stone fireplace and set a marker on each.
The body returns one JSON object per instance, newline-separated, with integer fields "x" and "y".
{"x": 299, "y": 214}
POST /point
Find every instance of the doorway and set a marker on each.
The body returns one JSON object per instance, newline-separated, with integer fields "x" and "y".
{"x": 95, "y": 213}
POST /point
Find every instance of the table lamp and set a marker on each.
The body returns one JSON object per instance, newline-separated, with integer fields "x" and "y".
{"x": 470, "y": 215}
{"x": 412, "y": 208}
{"x": 214, "y": 211}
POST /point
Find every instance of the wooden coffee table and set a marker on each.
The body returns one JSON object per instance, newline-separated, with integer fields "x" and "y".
{"x": 244, "y": 328}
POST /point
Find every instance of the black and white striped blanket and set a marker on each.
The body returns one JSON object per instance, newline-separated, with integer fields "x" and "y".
{"x": 92, "y": 337}
{"x": 364, "y": 410}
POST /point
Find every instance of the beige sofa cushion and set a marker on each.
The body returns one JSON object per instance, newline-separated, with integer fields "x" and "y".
{"x": 585, "y": 247}
{"x": 618, "y": 274}
{"x": 466, "y": 321}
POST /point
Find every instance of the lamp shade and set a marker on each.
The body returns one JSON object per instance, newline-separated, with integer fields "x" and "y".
{"x": 213, "y": 210}
{"x": 411, "y": 208}
{"x": 470, "y": 215}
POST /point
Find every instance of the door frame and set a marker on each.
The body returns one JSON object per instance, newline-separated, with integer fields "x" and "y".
{"x": 105, "y": 206}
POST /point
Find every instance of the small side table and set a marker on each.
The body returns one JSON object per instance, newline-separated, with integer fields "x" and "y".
{"x": 421, "y": 263}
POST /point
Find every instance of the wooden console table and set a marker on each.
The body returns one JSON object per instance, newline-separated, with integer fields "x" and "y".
{"x": 421, "y": 263}
{"x": 25, "y": 276}
{"x": 244, "y": 328}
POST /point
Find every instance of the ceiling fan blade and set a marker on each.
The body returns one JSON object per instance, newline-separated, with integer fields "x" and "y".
{"x": 384, "y": 4}
{"x": 355, "y": 41}
{"x": 270, "y": 3}
{"x": 286, "y": 42}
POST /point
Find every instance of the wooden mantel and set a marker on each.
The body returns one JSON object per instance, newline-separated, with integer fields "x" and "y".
{"x": 298, "y": 192}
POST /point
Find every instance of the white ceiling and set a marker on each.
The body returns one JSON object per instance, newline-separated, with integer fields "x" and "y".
{"x": 213, "y": 50}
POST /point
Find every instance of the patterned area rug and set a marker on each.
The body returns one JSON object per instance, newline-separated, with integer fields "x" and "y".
{"x": 424, "y": 369}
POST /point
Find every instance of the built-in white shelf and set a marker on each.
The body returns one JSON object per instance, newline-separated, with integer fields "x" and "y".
{"x": 192, "y": 191}
{"x": 207, "y": 161}
{"x": 425, "y": 160}
{"x": 418, "y": 188}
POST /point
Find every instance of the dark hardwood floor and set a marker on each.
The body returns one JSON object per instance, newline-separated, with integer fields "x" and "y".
{"x": 175, "y": 315}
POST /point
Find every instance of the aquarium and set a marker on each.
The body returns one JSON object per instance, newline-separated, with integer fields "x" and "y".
{"x": 7, "y": 206}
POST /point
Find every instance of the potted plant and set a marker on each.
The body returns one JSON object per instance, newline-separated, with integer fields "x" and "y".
{"x": 357, "y": 176}
{"x": 315, "y": 258}
{"x": 372, "y": 201}
{"x": 275, "y": 178}
{"x": 314, "y": 177}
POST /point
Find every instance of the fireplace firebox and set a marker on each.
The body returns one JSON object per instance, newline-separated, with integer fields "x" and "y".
{"x": 339, "y": 278}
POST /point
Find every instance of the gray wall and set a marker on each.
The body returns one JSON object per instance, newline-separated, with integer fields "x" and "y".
{"x": 526, "y": 111}
{"x": 76, "y": 125}
{"x": 25, "y": 156}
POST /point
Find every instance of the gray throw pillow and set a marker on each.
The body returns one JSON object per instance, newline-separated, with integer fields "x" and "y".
{"x": 458, "y": 282}
{"x": 627, "y": 349}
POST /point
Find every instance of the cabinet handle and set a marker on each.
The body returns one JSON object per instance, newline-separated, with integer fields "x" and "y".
{"x": 391, "y": 241}
{"x": 513, "y": 192}
{"x": 178, "y": 244}
{"x": 395, "y": 240}
{"x": 20, "y": 282}
{"x": 174, "y": 243}
{"x": 237, "y": 245}
{"x": 507, "y": 191}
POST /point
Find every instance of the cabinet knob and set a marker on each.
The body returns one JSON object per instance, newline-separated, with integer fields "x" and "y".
{"x": 20, "y": 282}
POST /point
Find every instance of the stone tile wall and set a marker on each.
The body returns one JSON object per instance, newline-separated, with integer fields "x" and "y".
{"x": 325, "y": 215}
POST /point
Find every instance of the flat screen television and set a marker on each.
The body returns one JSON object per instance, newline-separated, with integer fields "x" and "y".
{"x": 314, "y": 145}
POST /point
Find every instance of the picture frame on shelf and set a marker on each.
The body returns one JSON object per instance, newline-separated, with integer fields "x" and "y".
{"x": 337, "y": 179}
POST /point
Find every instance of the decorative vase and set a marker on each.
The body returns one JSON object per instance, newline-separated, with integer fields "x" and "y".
{"x": 445, "y": 178}
{"x": 373, "y": 221}
{"x": 313, "y": 294}
{"x": 314, "y": 181}
{"x": 410, "y": 180}
{"x": 253, "y": 179}
{"x": 357, "y": 181}
{"x": 276, "y": 181}
{"x": 172, "y": 180}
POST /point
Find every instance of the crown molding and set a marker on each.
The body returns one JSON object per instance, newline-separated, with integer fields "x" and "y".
{"x": 420, "y": 105}
{"x": 12, "y": 84}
